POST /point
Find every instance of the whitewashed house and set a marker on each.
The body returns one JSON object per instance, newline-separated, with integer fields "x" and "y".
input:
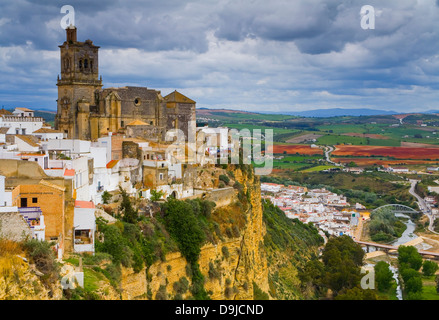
{"x": 84, "y": 225}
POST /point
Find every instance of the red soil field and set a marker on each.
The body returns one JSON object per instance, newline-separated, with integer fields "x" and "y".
{"x": 370, "y": 162}
{"x": 295, "y": 148}
{"x": 396, "y": 152}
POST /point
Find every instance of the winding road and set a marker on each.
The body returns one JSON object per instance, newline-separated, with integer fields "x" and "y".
{"x": 423, "y": 206}
{"x": 328, "y": 150}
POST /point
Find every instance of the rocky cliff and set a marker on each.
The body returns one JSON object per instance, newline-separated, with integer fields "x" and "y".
{"x": 230, "y": 267}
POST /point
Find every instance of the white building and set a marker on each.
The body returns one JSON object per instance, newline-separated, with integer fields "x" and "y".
{"x": 45, "y": 134}
{"x": 84, "y": 225}
{"x": 23, "y": 112}
{"x": 21, "y": 125}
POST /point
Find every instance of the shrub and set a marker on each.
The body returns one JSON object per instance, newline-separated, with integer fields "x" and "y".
{"x": 214, "y": 273}
{"x": 184, "y": 228}
{"x": 429, "y": 268}
{"x": 225, "y": 252}
{"x": 224, "y": 178}
{"x": 258, "y": 294}
{"x": 106, "y": 197}
{"x": 156, "y": 195}
{"x": 181, "y": 286}
{"x": 161, "y": 293}
{"x": 42, "y": 256}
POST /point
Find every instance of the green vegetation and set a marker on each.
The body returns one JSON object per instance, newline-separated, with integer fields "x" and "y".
{"x": 299, "y": 243}
{"x": 319, "y": 168}
{"x": 384, "y": 226}
{"x": 106, "y": 197}
{"x": 258, "y": 294}
{"x": 156, "y": 195}
{"x": 339, "y": 271}
{"x": 41, "y": 254}
{"x": 429, "y": 268}
{"x": 129, "y": 214}
{"x": 410, "y": 261}
{"x": 383, "y": 276}
{"x": 343, "y": 139}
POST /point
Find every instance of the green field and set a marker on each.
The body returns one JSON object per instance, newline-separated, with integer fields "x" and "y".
{"x": 339, "y": 139}
{"x": 429, "y": 288}
{"x": 252, "y": 127}
{"x": 319, "y": 168}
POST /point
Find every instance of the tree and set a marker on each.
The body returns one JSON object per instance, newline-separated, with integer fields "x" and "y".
{"x": 224, "y": 178}
{"x": 429, "y": 268}
{"x": 342, "y": 258}
{"x": 129, "y": 214}
{"x": 357, "y": 294}
{"x": 409, "y": 257}
{"x": 106, "y": 197}
{"x": 184, "y": 228}
{"x": 383, "y": 276}
{"x": 156, "y": 195}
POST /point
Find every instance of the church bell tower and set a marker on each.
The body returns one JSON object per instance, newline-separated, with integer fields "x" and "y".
{"x": 77, "y": 85}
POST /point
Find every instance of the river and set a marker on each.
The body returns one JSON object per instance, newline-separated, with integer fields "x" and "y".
{"x": 407, "y": 236}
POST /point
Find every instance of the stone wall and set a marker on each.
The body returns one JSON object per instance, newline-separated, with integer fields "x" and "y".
{"x": 13, "y": 226}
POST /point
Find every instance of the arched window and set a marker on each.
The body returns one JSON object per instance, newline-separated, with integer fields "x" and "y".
{"x": 85, "y": 64}
{"x": 80, "y": 64}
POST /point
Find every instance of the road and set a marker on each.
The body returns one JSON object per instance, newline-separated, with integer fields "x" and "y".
{"x": 422, "y": 205}
{"x": 328, "y": 150}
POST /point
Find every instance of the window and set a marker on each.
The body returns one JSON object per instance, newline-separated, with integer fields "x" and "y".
{"x": 121, "y": 123}
{"x": 85, "y": 64}
{"x": 161, "y": 176}
{"x": 34, "y": 200}
{"x": 80, "y": 64}
{"x": 23, "y": 202}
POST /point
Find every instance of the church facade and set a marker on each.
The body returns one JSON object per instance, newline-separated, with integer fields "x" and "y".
{"x": 86, "y": 111}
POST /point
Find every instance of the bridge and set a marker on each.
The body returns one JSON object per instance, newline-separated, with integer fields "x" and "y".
{"x": 397, "y": 208}
{"x": 387, "y": 248}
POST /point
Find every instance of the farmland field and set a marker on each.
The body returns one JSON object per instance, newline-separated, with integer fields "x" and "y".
{"x": 377, "y": 161}
{"x": 342, "y": 139}
{"x": 395, "y": 152}
{"x": 294, "y": 149}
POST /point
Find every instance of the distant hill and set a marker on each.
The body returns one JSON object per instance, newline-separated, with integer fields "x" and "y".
{"x": 317, "y": 113}
{"x": 339, "y": 112}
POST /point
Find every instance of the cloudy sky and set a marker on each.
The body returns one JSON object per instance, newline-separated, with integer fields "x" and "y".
{"x": 256, "y": 55}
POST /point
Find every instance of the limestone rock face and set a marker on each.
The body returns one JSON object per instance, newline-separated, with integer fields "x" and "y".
{"x": 19, "y": 281}
{"x": 229, "y": 273}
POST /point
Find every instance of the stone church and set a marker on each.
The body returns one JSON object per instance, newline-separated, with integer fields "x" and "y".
{"x": 86, "y": 111}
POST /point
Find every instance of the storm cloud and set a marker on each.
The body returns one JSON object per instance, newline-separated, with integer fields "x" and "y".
{"x": 244, "y": 54}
